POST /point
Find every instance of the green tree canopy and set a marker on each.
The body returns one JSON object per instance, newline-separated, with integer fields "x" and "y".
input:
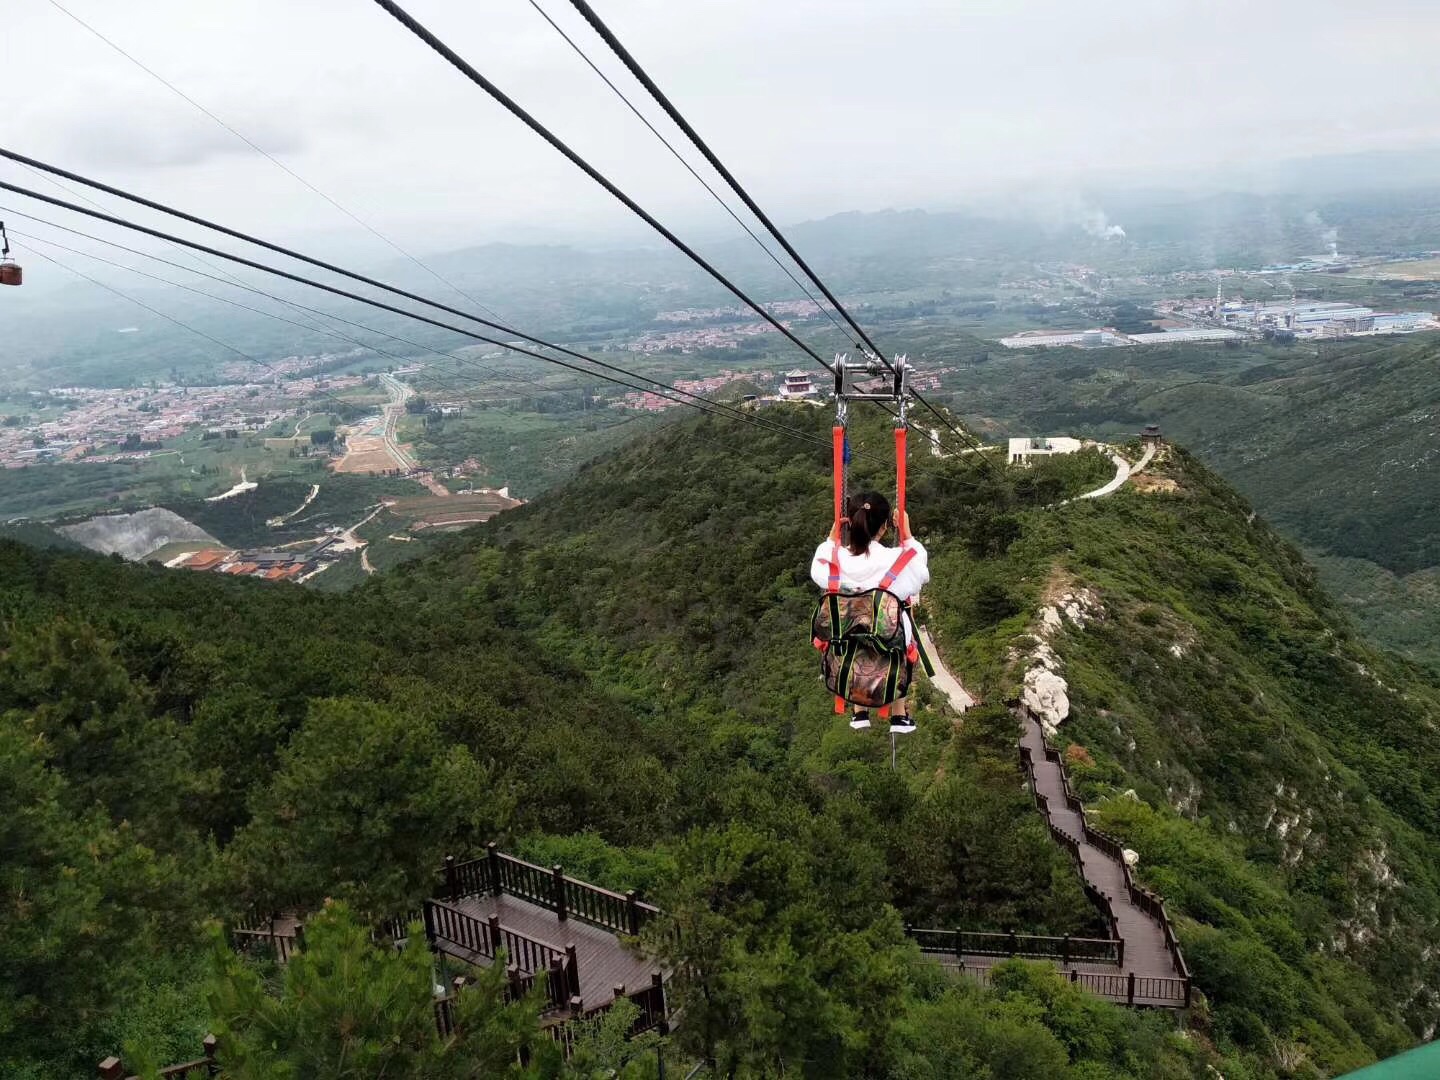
{"x": 78, "y": 907}
{"x": 363, "y": 806}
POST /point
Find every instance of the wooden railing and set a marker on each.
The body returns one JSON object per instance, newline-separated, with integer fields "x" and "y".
{"x": 473, "y": 878}
{"x": 1072, "y": 801}
{"x": 579, "y": 1020}
{"x": 650, "y": 1000}
{"x": 1099, "y": 900}
{"x": 1153, "y": 904}
{"x": 496, "y": 873}
{"x": 112, "y": 1068}
{"x": 450, "y": 930}
{"x": 282, "y": 943}
{"x": 1127, "y": 988}
{"x": 1104, "y": 842}
{"x": 1066, "y": 949}
{"x": 492, "y": 874}
{"x": 1107, "y": 912}
{"x": 454, "y": 930}
{"x": 397, "y": 927}
{"x": 446, "y": 1020}
{"x": 567, "y": 1032}
{"x": 1150, "y": 903}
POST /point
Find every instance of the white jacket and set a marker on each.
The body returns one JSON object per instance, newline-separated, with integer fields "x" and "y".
{"x": 861, "y": 572}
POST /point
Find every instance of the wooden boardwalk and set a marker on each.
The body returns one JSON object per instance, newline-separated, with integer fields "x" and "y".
{"x": 1103, "y": 980}
{"x": 1147, "y": 952}
{"x": 603, "y": 963}
{"x": 1149, "y": 968}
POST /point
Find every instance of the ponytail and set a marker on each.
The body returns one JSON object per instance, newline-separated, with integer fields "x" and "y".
{"x": 869, "y": 512}
{"x": 860, "y": 531}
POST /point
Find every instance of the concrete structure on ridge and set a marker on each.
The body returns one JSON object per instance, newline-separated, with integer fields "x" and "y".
{"x": 1021, "y": 450}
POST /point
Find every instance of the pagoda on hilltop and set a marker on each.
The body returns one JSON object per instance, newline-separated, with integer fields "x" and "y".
{"x": 797, "y": 384}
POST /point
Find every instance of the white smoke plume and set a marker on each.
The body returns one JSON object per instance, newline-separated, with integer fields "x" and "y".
{"x": 1328, "y": 233}
{"x": 1097, "y": 223}
{"x": 1056, "y": 210}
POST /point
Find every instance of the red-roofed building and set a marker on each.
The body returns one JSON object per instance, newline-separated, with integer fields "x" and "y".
{"x": 208, "y": 559}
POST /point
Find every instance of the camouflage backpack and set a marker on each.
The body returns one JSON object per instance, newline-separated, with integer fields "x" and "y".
{"x": 864, "y": 657}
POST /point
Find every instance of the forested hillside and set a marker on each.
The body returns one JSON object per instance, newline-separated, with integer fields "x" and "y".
{"x": 1339, "y": 450}
{"x": 1335, "y": 445}
{"x": 618, "y": 677}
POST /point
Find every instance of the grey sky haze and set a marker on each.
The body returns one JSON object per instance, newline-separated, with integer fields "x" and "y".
{"x": 820, "y": 106}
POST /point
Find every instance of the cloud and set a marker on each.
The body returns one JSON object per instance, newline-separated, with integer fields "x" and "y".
{"x": 130, "y": 140}
{"x": 367, "y": 113}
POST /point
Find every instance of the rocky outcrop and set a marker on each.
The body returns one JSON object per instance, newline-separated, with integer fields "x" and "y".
{"x": 134, "y": 536}
{"x": 1045, "y": 691}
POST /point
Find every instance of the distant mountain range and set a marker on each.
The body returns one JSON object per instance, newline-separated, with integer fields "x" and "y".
{"x": 1363, "y": 203}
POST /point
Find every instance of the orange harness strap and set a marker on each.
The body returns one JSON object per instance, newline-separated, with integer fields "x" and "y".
{"x": 900, "y": 440}
{"x": 837, "y": 444}
{"x": 905, "y": 556}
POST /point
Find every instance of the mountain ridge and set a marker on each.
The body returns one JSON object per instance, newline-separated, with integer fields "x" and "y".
{"x": 618, "y": 673}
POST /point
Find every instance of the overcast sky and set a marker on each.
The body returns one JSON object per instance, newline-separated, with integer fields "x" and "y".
{"x": 820, "y": 106}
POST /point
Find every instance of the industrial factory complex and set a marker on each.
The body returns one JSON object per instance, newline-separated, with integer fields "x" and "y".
{"x": 1319, "y": 319}
{"x": 1187, "y": 321}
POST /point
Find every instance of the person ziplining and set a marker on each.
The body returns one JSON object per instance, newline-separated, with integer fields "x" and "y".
{"x": 863, "y": 626}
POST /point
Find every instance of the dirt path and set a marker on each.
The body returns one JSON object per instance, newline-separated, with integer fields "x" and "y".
{"x": 1123, "y": 471}
{"x": 372, "y": 448}
{"x": 960, "y": 698}
{"x": 239, "y": 489}
{"x": 1144, "y": 460}
{"x": 276, "y": 522}
{"x": 434, "y": 486}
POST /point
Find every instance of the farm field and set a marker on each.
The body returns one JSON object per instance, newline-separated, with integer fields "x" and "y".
{"x": 433, "y": 511}
{"x": 1418, "y": 270}
{"x": 367, "y": 455}
{"x": 188, "y": 467}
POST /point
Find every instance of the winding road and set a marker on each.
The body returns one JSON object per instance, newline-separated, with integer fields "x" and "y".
{"x": 400, "y": 393}
{"x": 1123, "y": 471}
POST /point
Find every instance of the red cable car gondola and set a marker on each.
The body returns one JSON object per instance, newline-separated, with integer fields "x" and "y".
{"x": 10, "y": 272}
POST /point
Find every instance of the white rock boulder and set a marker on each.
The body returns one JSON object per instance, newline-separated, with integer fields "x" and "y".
{"x": 1047, "y": 696}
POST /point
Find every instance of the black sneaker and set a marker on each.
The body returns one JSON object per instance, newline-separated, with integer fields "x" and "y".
{"x": 901, "y": 725}
{"x": 860, "y": 720}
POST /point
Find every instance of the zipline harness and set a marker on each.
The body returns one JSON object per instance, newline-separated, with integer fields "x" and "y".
{"x": 866, "y": 659}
